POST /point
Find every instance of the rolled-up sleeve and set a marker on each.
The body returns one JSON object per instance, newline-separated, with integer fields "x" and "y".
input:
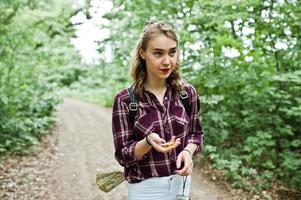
{"x": 196, "y": 134}
{"x": 123, "y": 136}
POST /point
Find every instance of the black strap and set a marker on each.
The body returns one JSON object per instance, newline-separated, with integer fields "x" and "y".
{"x": 185, "y": 100}
{"x": 133, "y": 104}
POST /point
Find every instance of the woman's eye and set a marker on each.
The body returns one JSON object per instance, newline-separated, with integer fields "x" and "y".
{"x": 158, "y": 54}
{"x": 172, "y": 53}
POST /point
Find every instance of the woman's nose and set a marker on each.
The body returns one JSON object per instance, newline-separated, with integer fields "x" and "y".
{"x": 166, "y": 60}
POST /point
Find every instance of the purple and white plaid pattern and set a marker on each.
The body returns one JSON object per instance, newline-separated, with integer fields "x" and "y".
{"x": 166, "y": 120}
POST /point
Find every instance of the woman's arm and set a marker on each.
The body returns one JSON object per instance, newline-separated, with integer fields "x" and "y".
{"x": 142, "y": 148}
{"x": 196, "y": 134}
{"x": 124, "y": 138}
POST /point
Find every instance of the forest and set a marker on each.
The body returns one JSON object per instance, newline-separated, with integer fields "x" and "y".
{"x": 243, "y": 57}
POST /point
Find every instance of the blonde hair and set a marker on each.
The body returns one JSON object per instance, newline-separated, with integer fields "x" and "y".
{"x": 150, "y": 30}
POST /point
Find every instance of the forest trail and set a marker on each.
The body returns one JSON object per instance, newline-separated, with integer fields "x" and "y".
{"x": 85, "y": 146}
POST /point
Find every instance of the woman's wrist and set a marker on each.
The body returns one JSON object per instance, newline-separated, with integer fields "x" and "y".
{"x": 147, "y": 140}
{"x": 188, "y": 151}
{"x": 191, "y": 148}
{"x": 142, "y": 147}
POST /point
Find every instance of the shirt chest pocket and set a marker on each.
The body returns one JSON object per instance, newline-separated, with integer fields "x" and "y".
{"x": 180, "y": 126}
{"x": 179, "y": 119}
{"x": 144, "y": 122}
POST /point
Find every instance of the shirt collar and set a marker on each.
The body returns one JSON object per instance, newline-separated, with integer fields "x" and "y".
{"x": 147, "y": 96}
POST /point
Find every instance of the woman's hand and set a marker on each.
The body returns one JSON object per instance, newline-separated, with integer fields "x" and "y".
{"x": 158, "y": 143}
{"x": 186, "y": 158}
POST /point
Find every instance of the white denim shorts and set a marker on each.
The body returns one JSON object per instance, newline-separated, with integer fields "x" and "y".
{"x": 160, "y": 188}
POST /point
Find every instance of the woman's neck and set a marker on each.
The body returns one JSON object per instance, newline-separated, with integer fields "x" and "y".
{"x": 155, "y": 86}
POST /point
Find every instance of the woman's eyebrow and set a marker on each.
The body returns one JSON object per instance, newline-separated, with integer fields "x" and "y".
{"x": 158, "y": 49}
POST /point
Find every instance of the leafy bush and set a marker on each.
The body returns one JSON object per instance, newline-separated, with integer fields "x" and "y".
{"x": 30, "y": 32}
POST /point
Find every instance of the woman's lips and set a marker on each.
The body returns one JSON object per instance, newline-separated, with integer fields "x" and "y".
{"x": 165, "y": 70}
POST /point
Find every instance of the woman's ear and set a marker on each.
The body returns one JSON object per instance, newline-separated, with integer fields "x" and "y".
{"x": 141, "y": 53}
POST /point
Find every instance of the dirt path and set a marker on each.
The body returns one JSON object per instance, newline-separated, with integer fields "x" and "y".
{"x": 85, "y": 147}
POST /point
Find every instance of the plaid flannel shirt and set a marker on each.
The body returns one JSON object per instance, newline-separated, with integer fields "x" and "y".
{"x": 167, "y": 120}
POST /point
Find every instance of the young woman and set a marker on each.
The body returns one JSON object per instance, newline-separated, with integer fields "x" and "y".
{"x": 153, "y": 169}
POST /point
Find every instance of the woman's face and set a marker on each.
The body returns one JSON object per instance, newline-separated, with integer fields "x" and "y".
{"x": 160, "y": 57}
